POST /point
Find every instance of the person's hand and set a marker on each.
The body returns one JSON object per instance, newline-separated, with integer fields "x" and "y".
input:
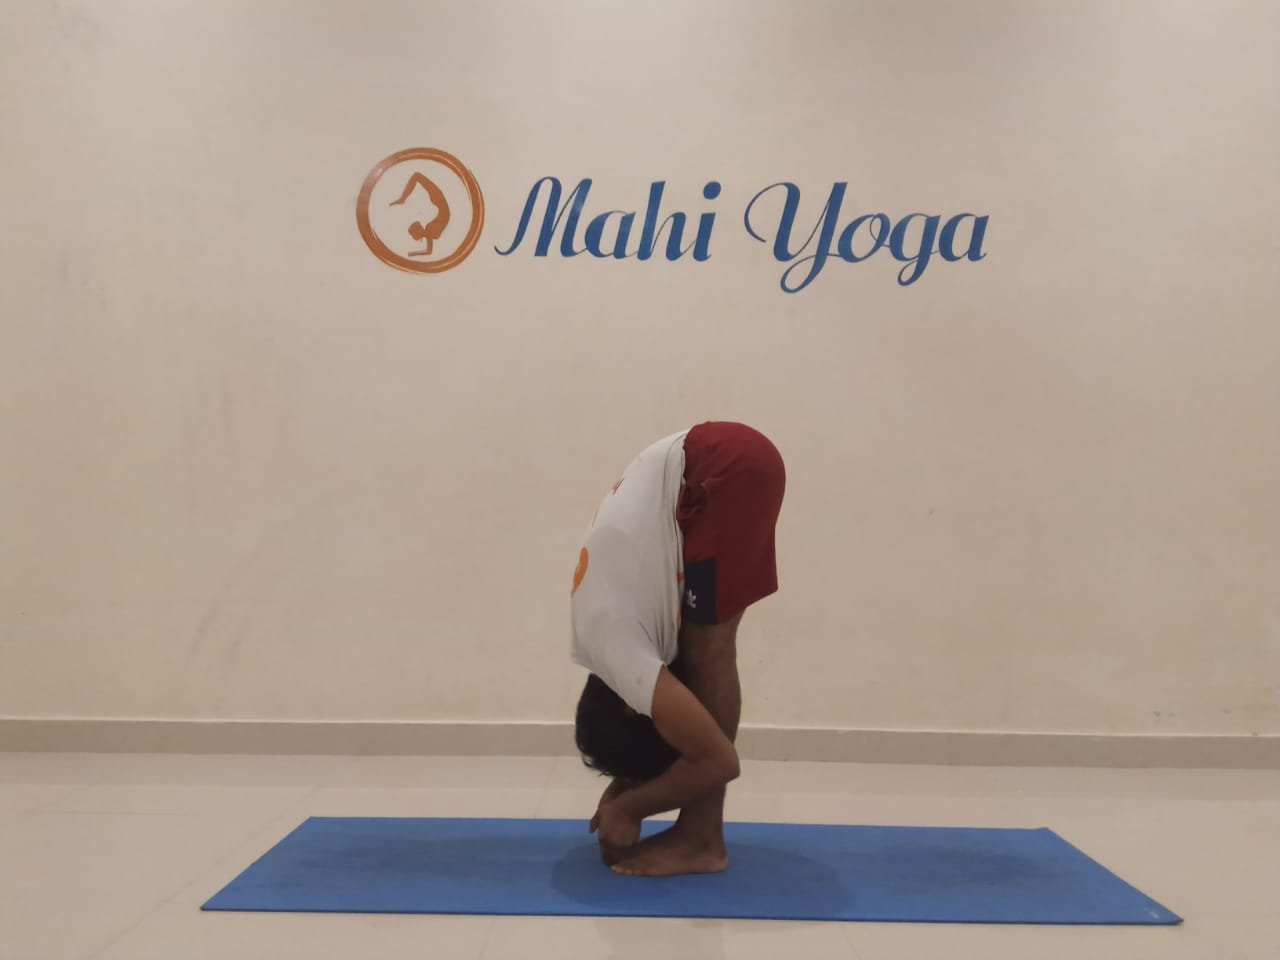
{"x": 617, "y": 828}
{"x": 614, "y": 790}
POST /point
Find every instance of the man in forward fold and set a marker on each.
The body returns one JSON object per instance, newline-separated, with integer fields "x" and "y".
{"x": 681, "y": 545}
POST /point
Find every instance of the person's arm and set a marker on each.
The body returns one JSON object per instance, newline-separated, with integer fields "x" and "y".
{"x": 707, "y": 759}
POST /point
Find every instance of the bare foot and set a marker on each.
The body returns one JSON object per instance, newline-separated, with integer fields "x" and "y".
{"x": 611, "y": 855}
{"x": 670, "y": 854}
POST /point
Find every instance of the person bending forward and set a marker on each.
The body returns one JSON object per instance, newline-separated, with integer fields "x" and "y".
{"x": 681, "y": 545}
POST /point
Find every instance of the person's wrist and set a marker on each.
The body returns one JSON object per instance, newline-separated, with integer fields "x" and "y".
{"x": 625, "y": 803}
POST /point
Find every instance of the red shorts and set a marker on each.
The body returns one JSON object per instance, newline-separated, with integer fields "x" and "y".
{"x": 728, "y": 507}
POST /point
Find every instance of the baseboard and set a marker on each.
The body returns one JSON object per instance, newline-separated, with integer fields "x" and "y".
{"x": 997, "y": 749}
{"x": 109, "y": 735}
{"x": 352, "y": 738}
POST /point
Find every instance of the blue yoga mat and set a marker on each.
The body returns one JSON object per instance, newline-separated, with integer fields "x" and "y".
{"x": 777, "y": 871}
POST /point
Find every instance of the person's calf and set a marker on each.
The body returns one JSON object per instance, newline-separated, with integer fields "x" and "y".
{"x": 703, "y": 820}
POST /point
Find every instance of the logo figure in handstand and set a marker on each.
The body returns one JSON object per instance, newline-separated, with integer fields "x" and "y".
{"x": 429, "y": 233}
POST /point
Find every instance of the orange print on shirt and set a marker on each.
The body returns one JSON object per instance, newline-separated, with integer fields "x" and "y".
{"x": 581, "y": 572}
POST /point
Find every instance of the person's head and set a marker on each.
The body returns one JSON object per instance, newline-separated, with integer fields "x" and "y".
{"x": 617, "y": 740}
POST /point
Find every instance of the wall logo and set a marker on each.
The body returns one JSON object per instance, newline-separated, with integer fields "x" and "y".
{"x": 420, "y": 210}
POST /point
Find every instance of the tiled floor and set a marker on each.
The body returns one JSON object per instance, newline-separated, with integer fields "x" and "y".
{"x": 110, "y": 856}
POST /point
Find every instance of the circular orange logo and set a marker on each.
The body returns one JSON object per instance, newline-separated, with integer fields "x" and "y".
{"x": 420, "y": 210}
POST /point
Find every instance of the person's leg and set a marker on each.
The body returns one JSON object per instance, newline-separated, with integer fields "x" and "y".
{"x": 709, "y": 658}
{"x": 727, "y": 509}
{"x": 708, "y": 666}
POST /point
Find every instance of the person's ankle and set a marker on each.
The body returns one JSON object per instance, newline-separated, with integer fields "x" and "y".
{"x": 700, "y": 838}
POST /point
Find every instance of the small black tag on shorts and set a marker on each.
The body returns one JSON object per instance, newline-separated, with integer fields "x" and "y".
{"x": 698, "y": 605}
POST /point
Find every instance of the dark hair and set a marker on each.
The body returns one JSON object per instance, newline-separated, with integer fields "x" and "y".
{"x": 617, "y": 740}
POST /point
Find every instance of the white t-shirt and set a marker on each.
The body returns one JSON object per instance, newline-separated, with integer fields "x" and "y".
{"x": 626, "y": 597}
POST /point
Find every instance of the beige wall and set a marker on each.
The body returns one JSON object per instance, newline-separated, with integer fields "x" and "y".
{"x": 251, "y": 471}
